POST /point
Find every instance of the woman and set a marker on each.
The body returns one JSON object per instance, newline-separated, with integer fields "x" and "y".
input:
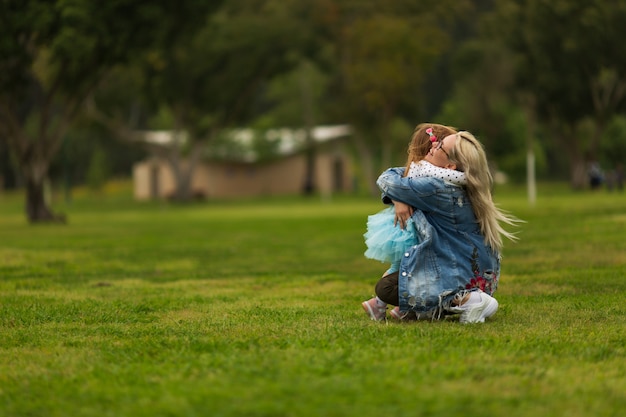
{"x": 385, "y": 241}
{"x": 455, "y": 266}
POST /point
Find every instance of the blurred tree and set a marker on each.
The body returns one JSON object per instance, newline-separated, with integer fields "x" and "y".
{"x": 569, "y": 59}
{"x": 481, "y": 102}
{"x": 213, "y": 80}
{"x": 295, "y": 100}
{"x": 613, "y": 146}
{"x": 52, "y": 55}
{"x": 384, "y": 52}
{"x": 8, "y": 179}
{"x": 72, "y": 164}
{"x": 98, "y": 171}
{"x": 283, "y": 98}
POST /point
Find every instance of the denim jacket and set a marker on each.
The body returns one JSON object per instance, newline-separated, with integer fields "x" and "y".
{"x": 451, "y": 256}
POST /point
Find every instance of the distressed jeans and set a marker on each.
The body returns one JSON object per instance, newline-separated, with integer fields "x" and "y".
{"x": 387, "y": 290}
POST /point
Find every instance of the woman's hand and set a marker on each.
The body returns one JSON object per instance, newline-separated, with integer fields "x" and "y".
{"x": 403, "y": 213}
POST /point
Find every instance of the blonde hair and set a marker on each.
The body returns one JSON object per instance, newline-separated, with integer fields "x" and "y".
{"x": 469, "y": 155}
{"x": 420, "y": 141}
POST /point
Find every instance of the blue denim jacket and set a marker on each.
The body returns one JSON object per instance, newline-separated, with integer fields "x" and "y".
{"x": 451, "y": 256}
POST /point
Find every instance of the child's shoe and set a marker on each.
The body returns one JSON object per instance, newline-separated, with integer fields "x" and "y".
{"x": 374, "y": 310}
{"x": 402, "y": 316}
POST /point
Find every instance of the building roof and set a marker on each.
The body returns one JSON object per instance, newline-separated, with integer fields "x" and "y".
{"x": 242, "y": 144}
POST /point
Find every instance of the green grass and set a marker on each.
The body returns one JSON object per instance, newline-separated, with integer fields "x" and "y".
{"x": 253, "y": 309}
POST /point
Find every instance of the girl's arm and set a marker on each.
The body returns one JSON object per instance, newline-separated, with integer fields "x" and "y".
{"x": 403, "y": 213}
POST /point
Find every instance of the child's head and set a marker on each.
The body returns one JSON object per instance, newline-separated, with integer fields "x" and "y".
{"x": 423, "y": 137}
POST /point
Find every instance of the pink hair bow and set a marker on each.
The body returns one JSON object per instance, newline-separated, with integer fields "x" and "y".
{"x": 432, "y": 137}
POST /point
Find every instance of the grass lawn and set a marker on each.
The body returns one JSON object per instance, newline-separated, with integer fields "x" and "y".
{"x": 253, "y": 309}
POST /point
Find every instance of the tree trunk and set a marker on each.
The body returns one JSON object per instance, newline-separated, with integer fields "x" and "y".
{"x": 309, "y": 173}
{"x": 575, "y": 156}
{"x": 367, "y": 164}
{"x": 577, "y": 164}
{"x": 33, "y": 158}
{"x": 37, "y": 209}
{"x": 578, "y": 173}
{"x": 184, "y": 170}
{"x": 386, "y": 140}
{"x": 182, "y": 179}
{"x": 308, "y": 187}
{"x": 35, "y": 153}
{"x": 386, "y": 146}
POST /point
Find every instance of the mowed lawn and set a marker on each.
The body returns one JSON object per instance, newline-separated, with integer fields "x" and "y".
{"x": 252, "y": 308}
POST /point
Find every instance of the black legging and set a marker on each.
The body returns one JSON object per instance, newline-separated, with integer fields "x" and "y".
{"x": 387, "y": 289}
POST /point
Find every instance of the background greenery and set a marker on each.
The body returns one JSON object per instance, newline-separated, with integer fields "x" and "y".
{"x": 253, "y": 308}
{"x": 547, "y": 77}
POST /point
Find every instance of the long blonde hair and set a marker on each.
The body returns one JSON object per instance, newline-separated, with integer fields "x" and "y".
{"x": 469, "y": 155}
{"x": 421, "y": 142}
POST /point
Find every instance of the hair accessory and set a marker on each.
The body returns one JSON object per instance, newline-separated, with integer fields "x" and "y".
{"x": 432, "y": 137}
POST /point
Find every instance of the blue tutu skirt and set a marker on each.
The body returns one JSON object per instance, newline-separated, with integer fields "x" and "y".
{"x": 386, "y": 242}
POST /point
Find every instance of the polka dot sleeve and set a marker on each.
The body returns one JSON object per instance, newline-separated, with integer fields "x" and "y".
{"x": 426, "y": 169}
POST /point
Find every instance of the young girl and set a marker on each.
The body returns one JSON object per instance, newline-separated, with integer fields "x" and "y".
{"x": 387, "y": 241}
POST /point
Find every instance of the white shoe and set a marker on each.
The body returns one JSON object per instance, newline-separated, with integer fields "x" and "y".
{"x": 479, "y": 307}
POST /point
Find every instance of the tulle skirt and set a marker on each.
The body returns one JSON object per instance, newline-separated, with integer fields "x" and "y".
{"x": 386, "y": 242}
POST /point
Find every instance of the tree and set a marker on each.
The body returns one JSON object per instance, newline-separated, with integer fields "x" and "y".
{"x": 98, "y": 171}
{"x": 53, "y": 54}
{"x": 212, "y": 80}
{"x": 295, "y": 99}
{"x": 481, "y": 102}
{"x": 570, "y": 60}
{"x": 384, "y": 54}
